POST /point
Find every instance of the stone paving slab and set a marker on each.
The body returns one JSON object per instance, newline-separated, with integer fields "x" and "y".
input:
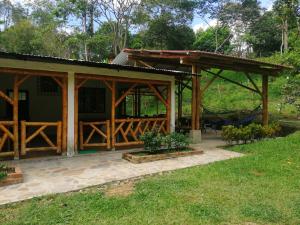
{"x": 42, "y": 177}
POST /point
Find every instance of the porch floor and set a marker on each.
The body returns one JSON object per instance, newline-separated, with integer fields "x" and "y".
{"x": 58, "y": 175}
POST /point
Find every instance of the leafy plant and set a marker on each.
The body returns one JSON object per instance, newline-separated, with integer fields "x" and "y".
{"x": 3, "y": 171}
{"x": 250, "y": 133}
{"x": 152, "y": 141}
{"x": 176, "y": 141}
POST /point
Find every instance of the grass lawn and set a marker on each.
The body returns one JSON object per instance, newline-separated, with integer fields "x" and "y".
{"x": 260, "y": 188}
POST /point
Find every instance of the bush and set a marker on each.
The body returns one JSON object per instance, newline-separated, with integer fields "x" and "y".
{"x": 3, "y": 171}
{"x": 176, "y": 141}
{"x": 250, "y": 133}
{"x": 152, "y": 141}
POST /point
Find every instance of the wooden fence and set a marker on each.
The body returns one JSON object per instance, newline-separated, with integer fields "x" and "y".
{"x": 40, "y": 129}
{"x": 6, "y": 136}
{"x": 128, "y": 131}
{"x": 98, "y": 134}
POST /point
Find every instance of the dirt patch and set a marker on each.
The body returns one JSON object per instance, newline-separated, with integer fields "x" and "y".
{"x": 122, "y": 190}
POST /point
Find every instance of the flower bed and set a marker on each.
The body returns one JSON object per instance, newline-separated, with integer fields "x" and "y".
{"x": 157, "y": 147}
{"x": 146, "y": 156}
{"x": 10, "y": 175}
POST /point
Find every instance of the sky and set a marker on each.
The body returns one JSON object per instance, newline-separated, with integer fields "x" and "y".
{"x": 205, "y": 23}
{"x": 198, "y": 22}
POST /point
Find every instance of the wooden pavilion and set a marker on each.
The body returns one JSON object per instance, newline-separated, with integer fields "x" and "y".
{"x": 194, "y": 62}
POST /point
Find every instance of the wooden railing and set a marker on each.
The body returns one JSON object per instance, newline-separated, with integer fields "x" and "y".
{"x": 40, "y": 127}
{"x": 6, "y": 135}
{"x": 128, "y": 131}
{"x": 98, "y": 134}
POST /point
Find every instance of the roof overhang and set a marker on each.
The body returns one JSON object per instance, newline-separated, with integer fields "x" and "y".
{"x": 182, "y": 60}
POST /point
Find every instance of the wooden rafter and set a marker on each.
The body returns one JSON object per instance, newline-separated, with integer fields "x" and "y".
{"x": 6, "y": 98}
{"x": 145, "y": 64}
{"x": 125, "y": 94}
{"x": 158, "y": 94}
{"x": 80, "y": 82}
{"x": 58, "y": 81}
{"x": 232, "y": 81}
{"x": 107, "y": 85}
{"x": 210, "y": 82}
{"x": 22, "y": 79}
{"x": 253, "y": 83}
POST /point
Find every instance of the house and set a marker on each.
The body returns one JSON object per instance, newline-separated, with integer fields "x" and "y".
{"x": 62, "y": 105}
{"x": 66, "y": 105}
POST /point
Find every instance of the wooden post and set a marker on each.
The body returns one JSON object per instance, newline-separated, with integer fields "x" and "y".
{"x": 113, "y": 113}
{"x": 59, "y": 137}
{"x": 15, "y": 117}
{"x": 76, "y": 116}
{"x": 108, "y": 136}
{"x": 265, "y": 87}
{"x": 64, "y": 114}
{"x": 23, "y": 138}
{"x": 195, "y": 99}
{"x": 179, "y": 104}
{"x": 81, "y": 135}
{"x": 169, "y": 109}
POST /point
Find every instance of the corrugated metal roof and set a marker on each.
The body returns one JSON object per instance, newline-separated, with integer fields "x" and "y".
{"x": 181, "y": 60}
{"x": 49, "y": 59}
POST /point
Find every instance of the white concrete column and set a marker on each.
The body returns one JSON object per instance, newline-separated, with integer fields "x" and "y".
{"x": 71, "y": 115}
{"x": 173, "y": 106}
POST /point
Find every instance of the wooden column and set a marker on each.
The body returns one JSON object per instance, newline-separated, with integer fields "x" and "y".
{"x": 265, "y": 89}
{"x": 64, "y": 113}
{"x": 196, "y": 99}
{"x": 113, "y": 113}
{"x": 179, "y": 103}
{"x": 76, "y": 116}
{"x": 15, "y": 117}
{"x": 169, "y": 109}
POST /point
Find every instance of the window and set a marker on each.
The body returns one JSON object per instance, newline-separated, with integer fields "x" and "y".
{"x": 47, "y": 86}
{"x": 91, "y": 100}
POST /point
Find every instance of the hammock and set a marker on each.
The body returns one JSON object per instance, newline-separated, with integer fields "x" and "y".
{"x": 217, "y": 124}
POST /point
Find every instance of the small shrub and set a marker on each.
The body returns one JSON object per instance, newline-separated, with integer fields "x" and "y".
{"x": 250, "y": 132}
{"x": 152, "y": 141}
{"x": 256, "y": 131}
{"x": 176, "y": 141}
{"x": 227, "y": 133}
{"x": 245, "y": 134}
{"x": 3, "y": 171}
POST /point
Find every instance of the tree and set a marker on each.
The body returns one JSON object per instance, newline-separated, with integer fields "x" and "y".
{"x": 205, "y": 40}
{"x": 287, "y": 12}
{"x": 118, "y": 15}
{"x": 163, "y": 34}
{"x": 20, "y": 38}
{"x": 264, "y": 35}
{"x": 291, "y": 92}
{"x": 240, "y": 16}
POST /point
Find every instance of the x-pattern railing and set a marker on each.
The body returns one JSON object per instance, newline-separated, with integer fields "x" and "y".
{"x": 40, "y": 131}
{"x": 98, "y": 134}
{"x": 128, "y": 131}
{"x": 6, "y": 135}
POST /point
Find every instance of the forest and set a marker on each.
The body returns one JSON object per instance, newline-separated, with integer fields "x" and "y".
{"x": 97, "y": 30}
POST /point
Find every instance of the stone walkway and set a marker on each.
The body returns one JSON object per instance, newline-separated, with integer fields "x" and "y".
{"x": 59, "y": 175}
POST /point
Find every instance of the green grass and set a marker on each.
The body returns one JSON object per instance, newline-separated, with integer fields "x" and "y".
{"x": 262, "y": 188}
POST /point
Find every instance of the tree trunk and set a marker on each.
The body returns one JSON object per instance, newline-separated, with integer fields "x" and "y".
{"x": 285, "y": 36}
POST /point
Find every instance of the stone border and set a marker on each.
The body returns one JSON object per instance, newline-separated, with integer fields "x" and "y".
{"x": 133, "y": 158}
{"x": 12, "y": 178}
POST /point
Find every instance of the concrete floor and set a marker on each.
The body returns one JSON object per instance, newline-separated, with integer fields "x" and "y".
{"x": 58, "y": 175}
